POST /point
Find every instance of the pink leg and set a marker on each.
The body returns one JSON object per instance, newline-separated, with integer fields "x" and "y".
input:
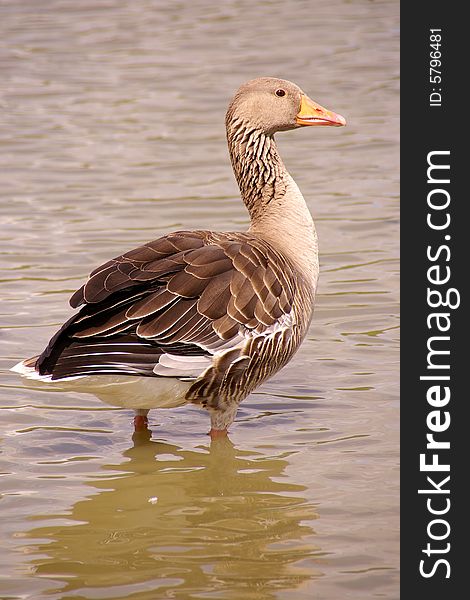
{"x": 217, "y": 433}
{"x": 140, "y": 422}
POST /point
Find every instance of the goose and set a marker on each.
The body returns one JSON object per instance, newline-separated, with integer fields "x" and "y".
{"x": 201, "y": 316}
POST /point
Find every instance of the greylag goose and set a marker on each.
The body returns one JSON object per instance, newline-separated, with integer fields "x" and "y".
{"x": 203, "y": 316}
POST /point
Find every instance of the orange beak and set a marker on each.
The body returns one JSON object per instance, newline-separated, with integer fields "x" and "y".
{"x": 311, "y": 113}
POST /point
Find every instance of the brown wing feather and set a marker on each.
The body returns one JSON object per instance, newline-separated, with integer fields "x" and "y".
{"x": 186, "y": 288}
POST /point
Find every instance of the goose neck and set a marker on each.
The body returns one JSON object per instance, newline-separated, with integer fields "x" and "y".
{"x": 278, "y": 211}
{"x": 258, "y": 168}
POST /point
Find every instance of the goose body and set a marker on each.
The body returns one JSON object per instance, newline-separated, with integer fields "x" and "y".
{"x": 202, "y": 316}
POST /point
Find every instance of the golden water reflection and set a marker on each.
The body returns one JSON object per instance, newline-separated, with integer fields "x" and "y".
{"x": 216, "y": 520}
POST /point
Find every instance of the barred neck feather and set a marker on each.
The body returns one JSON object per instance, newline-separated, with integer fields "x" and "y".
{"x": 276, "y": 206}
{"x": 258, "y": 168}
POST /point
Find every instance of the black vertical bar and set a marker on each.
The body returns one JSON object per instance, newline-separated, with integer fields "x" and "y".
{"x": 434, "y": 253}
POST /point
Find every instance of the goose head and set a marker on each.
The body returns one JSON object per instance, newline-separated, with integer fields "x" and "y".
{"x": 268, "y": 104}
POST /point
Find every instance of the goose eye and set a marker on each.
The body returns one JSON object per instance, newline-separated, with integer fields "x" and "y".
{"x": 280, "y": 93}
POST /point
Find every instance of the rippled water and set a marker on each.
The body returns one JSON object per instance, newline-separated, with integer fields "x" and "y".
{"x": 112, "y": 135}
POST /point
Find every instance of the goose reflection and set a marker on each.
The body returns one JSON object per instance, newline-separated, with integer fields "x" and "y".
{"x": 215, "y": 520}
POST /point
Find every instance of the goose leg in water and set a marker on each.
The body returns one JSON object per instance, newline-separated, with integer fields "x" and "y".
{"x": 217, "y": 433}
{"x": 140, "y": 419}
{"x": 221, "y": 419}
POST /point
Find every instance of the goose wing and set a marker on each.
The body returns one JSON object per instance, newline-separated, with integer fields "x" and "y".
{"x": 170, "y": 306}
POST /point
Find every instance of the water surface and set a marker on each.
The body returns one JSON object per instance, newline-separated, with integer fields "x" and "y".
{"x": 112, "y": 135}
